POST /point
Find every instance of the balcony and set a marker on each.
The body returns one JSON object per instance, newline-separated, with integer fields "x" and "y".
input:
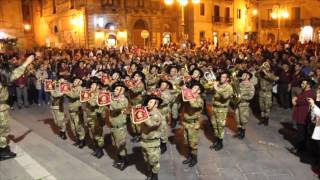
{"x": 315, "y": 22}
{"x": 220, "y": 20}
{"x": 228, "y": 21}
{"x": 284, "y": 23}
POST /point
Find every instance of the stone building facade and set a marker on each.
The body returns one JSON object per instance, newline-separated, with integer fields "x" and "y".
{"x": 302, "y": 20}
{"x": 97, "y": 23}
{"x": 14, "y": 17}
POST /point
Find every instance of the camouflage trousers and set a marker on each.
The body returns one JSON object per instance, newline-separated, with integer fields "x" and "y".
{"x": 58, "y": 118}
{"x": 118, "y": 136}
{"x": 164, "y": 124}
{"x": 242, "y": 116}
{"x": 218, "y": 120}
{"x": 95, "y": 123}
{"x": 191, "y": 134}
{"x": 175, "y": 110}
{"x": 4, "y": 128}
{"x": 77, "y": 126}
{"x": 265, "y": 103}
{"x": 151, "y": 154}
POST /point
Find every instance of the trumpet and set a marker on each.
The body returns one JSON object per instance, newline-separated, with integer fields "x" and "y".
{"x": 210, "y": 76}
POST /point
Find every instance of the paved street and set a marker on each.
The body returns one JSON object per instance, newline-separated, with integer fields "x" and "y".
{"x": 261, "y": 156}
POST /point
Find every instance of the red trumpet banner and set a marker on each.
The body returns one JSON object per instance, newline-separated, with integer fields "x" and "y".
{"x": 85, "y": 95}
{"x": 48, "y": 85}
{"x": 139, "y": 115}
{"x": 104, "y": 98}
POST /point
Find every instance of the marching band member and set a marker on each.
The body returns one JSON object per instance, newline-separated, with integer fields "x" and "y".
{"x": 95, "y": 117}
{"x": 136, "y": 99}
{"x": 220, "y": 101}
{"x": 151, "y": 133}
{"x": 117, "y": 118}
{"x": 76, "y": 122}
{"x": 191, "y": 122}
{"x": 165, "y": 88}
{"x": 242, "y": 112}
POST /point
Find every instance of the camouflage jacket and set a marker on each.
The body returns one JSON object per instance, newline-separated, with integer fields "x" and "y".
{"x": 266, "y": 81}
{"x": 193, "y": 109}
{"x": 4, "y": 94}
{"x": 118, "y": 107}
{"x": 136, "y": 94}
{"x": 222, "y": 96}
{"x": 74, "y": 98}
{"x": 246, "y": 92}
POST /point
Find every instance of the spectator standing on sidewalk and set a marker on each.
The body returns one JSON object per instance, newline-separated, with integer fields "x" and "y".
{"x": 41, "y": 75}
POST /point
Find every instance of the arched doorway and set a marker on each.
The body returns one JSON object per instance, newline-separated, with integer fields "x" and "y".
{"x": 138, "y": 26}
{"x": 271, "y": 38}
{"x": 294, "y": 38}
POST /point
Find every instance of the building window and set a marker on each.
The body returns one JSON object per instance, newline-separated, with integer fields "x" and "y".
{"x": 54, "y": 10}
{"x": 296, "y": 13}
{"x": 108, "y": 2}
{"x": 202, "y": 9}
{"x": 216, "y": 14}
{"x": 269, "y": 14}
{"x": 202, "y": 35}
{"x": 227, "y": 14}
{"x": 140, "y": 3}
{"x": 239, "y": 13}
{"x": 71, "y": 4}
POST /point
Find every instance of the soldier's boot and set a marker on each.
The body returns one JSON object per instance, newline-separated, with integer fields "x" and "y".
{"x": 136, "y": 138}
{"x": 262, "y": 120}
{"x": 266, "y": 121}
{"x": 154, "y": 176}
{"x": 63, "y": 135}
{"x": 123, "y": 163}
{"x": 238, "y": 133}
{"x": 194, "y": 160}
{"x": 215, "y": 144}
{"x": 242, "y": 133}
{"x": 188, "y": 160}
{"x": 6, "y": 153}
{"x": 116, "y": 163}
{"x": 95, "y": 150}
{"x": 174, "y": 123}
{"x": 82, "y": 143}
{"x": 100, "y": 152}
{"x": 219, "y": 145}
{"x": 149, "y": 175}
{"x": 77, "y": 142}
{"x": 163, "y": 147}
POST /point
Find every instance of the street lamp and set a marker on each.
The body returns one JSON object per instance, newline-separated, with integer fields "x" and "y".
{"x": 182, "y": 4}
{"x": 279, "y": 13}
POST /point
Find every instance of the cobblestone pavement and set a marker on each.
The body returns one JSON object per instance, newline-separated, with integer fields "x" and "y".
{"x": 262, "y": 155}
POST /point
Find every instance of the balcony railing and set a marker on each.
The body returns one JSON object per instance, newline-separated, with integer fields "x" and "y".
{"x": 283, "y": 23}
{"x": 220, "y": 20}
{"x": 315, "y": 22}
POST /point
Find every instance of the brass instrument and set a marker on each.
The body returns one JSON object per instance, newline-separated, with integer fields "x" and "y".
{"x": 210, "y": 78}
{"x": 236, "y": 97}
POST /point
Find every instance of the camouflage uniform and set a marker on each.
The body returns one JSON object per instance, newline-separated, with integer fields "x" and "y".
{"x": 152, "y": 80}
{"x": 4, "y": 114}
{"x": 135, "y": 100}
{"x": 243, "y": 109}
{"x": 221, "y": 99}
{"x": 164, "y": 108}
{"x": 265, "y": 93}
{"x": 150, "y": 143}
{"x": 191, "y": 123}
{"x": 117, "y": 120}
{"x": 176, "y": 82}
{"x": 57, "y": 109}
{"x": 77, "y": 126}
{"x": 95, "y": 119}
